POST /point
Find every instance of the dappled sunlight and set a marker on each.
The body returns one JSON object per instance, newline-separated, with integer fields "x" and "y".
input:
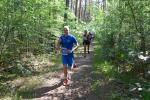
{"x": 115, "y": 68}
{"x": 38, "y": 62}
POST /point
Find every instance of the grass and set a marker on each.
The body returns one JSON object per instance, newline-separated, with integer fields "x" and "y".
{"x": 32, "y": 81}
{"x": 109, "y": 71}
{"x": 27, "y": 90}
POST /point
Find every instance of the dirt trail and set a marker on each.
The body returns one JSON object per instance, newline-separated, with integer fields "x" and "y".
{"x": 79, "y": 88}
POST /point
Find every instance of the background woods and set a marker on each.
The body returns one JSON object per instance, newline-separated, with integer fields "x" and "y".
{"x": 28, "y": 26}
{"x": 122, "y": 41}
{"x": 123, "y": 37}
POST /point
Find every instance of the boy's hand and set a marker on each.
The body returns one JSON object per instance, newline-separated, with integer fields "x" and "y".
{"x": 69, "y": 51}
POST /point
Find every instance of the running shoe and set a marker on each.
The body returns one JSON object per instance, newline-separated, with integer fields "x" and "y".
{"x": 65, "y": 83}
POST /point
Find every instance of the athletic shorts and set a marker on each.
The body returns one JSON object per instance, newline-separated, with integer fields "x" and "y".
{"x": 86, "y": 42}
{"x": 68, "y": 60}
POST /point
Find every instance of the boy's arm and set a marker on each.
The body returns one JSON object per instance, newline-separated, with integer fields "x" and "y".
{"x": 76, "y": 46}
{"x": 58, "y": 44}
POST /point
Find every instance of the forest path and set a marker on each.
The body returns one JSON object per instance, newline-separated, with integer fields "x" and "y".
{"x": 80, "y": 85}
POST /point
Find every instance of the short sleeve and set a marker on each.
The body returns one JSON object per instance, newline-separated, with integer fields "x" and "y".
{"x": 60, "y": 40}
{"x": 74, "y": 40}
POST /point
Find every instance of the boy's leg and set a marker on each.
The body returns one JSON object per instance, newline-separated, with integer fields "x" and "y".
{"x": 84, "y": 50}
{"x": 64, "y": 61}
{"x": 65, "y": 75}
{"x": 71, "y": 65}
{"x": 70, "y": 61}
{"x": 88, "y": 48}
{"x": 65, "y": 71}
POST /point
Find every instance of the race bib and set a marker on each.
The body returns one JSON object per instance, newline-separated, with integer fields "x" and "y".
{"x": 64, "y": 51}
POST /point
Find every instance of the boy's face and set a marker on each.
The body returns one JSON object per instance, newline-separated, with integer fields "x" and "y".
{"x": 65, "y": 30}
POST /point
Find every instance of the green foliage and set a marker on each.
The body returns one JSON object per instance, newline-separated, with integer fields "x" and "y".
{"x": 146, "y": 95}
{"x": 122, "y": 33}
{"x": 101, "y": 65}
{"x": 28, "y": 26}
{"x": 3, "y": 89}
{"x": 122, "y": 30}
{"x": 121, "y": 82}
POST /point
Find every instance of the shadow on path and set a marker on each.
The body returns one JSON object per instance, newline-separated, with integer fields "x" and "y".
{"x": 79, "y": 89}
{"x": 39, "y": 92}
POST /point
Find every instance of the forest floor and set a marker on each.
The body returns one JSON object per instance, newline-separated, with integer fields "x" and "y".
{"x": 49, "y": 86}
{"x": 80, "y": 84}
{"x": 85, "y": 84}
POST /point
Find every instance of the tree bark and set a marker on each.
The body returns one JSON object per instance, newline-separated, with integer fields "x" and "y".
{"x": 71, "y": 4}
{"x": 66, "y": 8}
{"x": 104, "y": 5}
{"x": 79, "y": 15}
{"x": 76, "y": 8}
{"x": 67, "y": 4}
{"x": 85, "y": 9}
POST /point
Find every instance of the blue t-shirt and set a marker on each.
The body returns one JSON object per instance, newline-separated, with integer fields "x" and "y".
{"x": 67, "y": 42}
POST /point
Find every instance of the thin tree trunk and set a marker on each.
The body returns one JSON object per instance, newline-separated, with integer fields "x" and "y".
{"x": 71, "y": 4}
{"x": 85, "y": 9}
{"x": 79, "y": 16}
{"x": 90, "y": 4}
{"x": 81, "y": 12}
{"x": 66, "y": 8}
{"x": 142, "y": 38}
{"x": 67, "y": 4}
{"x": 98, "y": 2}
{"x": 104, "y": 5}
{"x": 76, "y": 8}
{"x": 89, "y": 9}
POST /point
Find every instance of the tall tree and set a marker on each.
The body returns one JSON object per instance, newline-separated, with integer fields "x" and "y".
{"x": 104, "y": 5}
{"x": 71, "y": 5}
{"x": 79, "y": 15}
{"x": 90, "y": 7}
{"x": 67, "y": 4}
{"x": 85, "y": 7}
{"x": 66, "y": 8}
{"x": 76, "y": 8}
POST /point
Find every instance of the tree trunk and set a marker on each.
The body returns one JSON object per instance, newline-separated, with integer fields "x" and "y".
{"x": 90, "y": 4}
{"x": 79, "y": 15}
{"x": 98, "y": 3}
{"x": 104, "y": 5}
{"x": 67, "y": 4}
{"x": 76, "y": 8}
{"x": 142, "y": 38}
{"x": 71, "y": 5}
{"x": 85, "y": 9}
{"x": 66, "y": 8}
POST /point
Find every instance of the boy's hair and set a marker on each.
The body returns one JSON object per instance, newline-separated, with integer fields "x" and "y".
{"x": 67, "y": 27}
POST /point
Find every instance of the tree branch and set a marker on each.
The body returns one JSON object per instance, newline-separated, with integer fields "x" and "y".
{"x": 135, "y": 23}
